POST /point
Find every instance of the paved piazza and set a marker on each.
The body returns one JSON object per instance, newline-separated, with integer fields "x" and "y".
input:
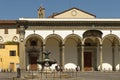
{"x": 68, "y": 76}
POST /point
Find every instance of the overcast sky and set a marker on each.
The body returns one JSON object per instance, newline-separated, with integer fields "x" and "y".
{"x": 15, "y": 9}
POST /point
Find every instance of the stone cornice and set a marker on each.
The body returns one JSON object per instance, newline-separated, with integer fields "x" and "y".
{"x": 62, "y": 23}
{"x": 69, "y": 22}
{"x": 66, "y": 23}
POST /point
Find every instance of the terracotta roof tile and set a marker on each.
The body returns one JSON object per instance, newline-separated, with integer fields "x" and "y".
{"x": 7, "y": 22}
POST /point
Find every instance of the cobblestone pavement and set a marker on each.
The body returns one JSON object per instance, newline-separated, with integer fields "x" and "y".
{"x": 7, "y": 76}
{"x": 68, "y": 76}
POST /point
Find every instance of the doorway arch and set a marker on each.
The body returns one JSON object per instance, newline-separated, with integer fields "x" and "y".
{"x": 92, "y": 39}
{"x": 33, "y": 49}
{"x": 111, "y": 49}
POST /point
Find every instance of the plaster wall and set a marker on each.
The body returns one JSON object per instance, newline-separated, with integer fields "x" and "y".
{"x": 7, "y": 59}
{"x": 9, "y": 36}
{"x": 65, "y": 33}
{"x": 74, "y": 14}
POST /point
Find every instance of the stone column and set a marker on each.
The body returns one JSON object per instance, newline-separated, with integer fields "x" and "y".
{"x": 100, "y": 47}
{"x": 113, "y": 58}
{"x": 78, "y": 55}
{"x": 22, "y": 50}
{"x": 62, "y": 55}
{"x": 95, "y": 67}
{"x": 82, "y": 58}
{"x": 43, "y": 50}
{"x": 22, "y": 56}
{"x": 119, "y": 55}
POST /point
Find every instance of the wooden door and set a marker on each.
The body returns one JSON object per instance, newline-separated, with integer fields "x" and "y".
{"x": 88, "y": 61}
{"x": 12, "y": 67}
{"x": 33, "y": 62}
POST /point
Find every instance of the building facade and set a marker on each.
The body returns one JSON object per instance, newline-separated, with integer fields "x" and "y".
{"x": 9, "y": 41}
{"x": 72, "y": 36}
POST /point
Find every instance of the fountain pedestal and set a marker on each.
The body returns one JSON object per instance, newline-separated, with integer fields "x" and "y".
{"x": 46, "y": 63}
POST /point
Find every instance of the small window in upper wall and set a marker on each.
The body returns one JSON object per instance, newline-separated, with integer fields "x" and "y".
{"x": 2, "y": 46}
{"x": 6, "y": 31}
{"x": 12, "y": 53}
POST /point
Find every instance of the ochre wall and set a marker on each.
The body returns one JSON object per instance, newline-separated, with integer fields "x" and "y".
{"x": 6, "y": 59}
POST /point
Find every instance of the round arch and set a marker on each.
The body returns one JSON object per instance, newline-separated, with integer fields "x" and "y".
{"x": 93, "y": 34}
{"x": 91, "y": 52}
{"x": 53, "y": 44}
{"x": 73, "y": 35}
{"x": 56, "y": 36}
{"x": 111, "y": 44}
{"x": 111, "y": 35}
{"x": 98, "y": 38}
{"x": 33, "y": 35}
{"x": 73, "y": 49}
{"x": 33, "y": 49}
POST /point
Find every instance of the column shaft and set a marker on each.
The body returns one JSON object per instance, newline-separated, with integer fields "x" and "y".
{"x": 78, "y": 55}
{"x": 62, "y": 59}
{"x": 43, "y": 50}
{"x": 82, "y": 58}
{"x": 22, "y": 56}
{"x": 100, "y": 57}
{"x": 113, "y": 58}
{"x": 119, "y": 56}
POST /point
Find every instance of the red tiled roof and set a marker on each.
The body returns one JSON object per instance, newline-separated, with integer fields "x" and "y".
{"x": 7, "y": 22}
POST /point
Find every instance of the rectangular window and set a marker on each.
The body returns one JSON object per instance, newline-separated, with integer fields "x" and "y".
{"x": 12, "y": 53}
{"x": 2, "y": 46}
{"x": 6, "y": 31}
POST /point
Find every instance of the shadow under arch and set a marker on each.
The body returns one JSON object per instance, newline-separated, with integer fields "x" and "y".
{"x": 111, "y": 44}
{"x": 91, "y": 45}
{"x": 33, "y": 50}
{"x": 33, "y": 35}
{"x": 93, "y": 34}
{"x": 56, "y": 36}
{"x": 99, "y": 39}
{"x": 73, "y": 35}
{"x": 111, "y": 35}
{"x": 72, "y": 46}
{"x": 54, "y": 43}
